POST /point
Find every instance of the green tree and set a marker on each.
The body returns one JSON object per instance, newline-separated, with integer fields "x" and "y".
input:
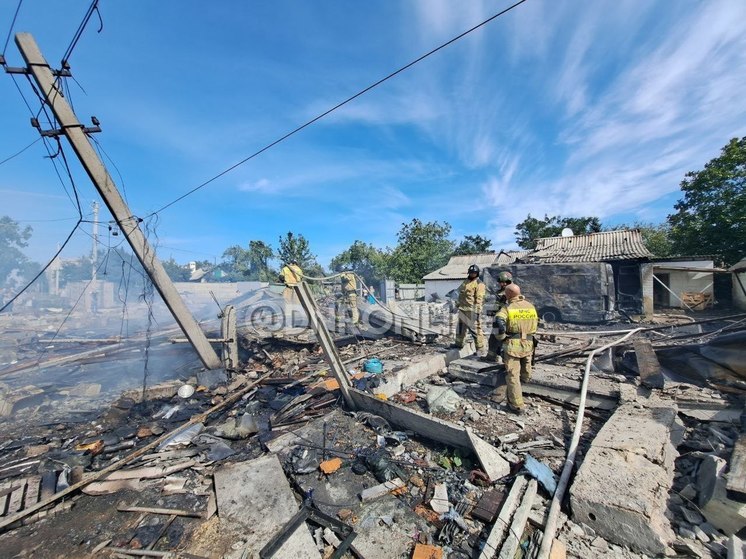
{"x": 473, "y": 244}
{"x": 422, "y": 248}
{"x": 657, "y": 237}
{"x": 711, "y": 218}
{"x": 13, "y": 238}
{"x": 249, "y": 264}
{"x": 296, "y": 247}
{"x": 175, "y": 271}
{"x": 531, "y": 228}
{"x": 364, "y": 259}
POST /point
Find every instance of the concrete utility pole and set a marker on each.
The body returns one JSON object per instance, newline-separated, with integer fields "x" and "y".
{"x": 75, "y": 132}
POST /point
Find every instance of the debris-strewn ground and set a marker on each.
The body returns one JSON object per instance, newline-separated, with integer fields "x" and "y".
{"x": 168, "y": 448}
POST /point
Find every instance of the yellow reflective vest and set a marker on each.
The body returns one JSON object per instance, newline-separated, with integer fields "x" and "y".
{"x": 291, "y": 274}
{"x": 349, "y": 283}
{"x": 521, "y": 322}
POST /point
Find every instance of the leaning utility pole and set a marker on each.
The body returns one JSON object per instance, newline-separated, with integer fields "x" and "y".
{"x": 75, "y": 132}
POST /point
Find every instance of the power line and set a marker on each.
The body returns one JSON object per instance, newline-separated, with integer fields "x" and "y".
{"x": 12, "y": 24}
{"x": 337, "y": 106}
{"x": 44, "y": 269}
{"x": 86, "y": 18}
{"x": 20, "y": 152}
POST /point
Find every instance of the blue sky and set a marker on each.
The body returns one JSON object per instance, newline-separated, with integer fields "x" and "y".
{"x": 569, "y": 108}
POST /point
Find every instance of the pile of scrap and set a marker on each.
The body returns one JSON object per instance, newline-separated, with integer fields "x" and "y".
{"x": 422, "y": 460}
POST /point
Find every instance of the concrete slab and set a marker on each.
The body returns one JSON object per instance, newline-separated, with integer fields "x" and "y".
{"x": 621, "y": 489}
{"x": 393, "y": 382}
{"x": 256, "y": 498}
{"x": 548, "y": 381}
{"x": 494, "y": 465}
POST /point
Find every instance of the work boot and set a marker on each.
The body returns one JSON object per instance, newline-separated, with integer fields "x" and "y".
{"x": 498, "y": 394}
{"x": 517, "y": 411}
{"x": 455, "y": 346}
{"x": 489, "y": 358}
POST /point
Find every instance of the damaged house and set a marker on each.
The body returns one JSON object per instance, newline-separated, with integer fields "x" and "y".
{"x": 591, "y": 278}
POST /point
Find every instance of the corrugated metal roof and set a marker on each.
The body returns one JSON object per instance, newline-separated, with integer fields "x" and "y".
{"x": 458, "y": 266}
{"x": 594, "y": 247}
{"x": 509, "y": 257}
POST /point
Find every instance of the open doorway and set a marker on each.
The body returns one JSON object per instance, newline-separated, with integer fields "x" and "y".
{"x": 661, "y": 296}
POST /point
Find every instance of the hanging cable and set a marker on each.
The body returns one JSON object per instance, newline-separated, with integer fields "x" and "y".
{"x": 338, "y": 105}
{"x": 12, "y": 24}
{"x": 86, "y": 18}
{"x": 20, "y": 152}
{"x": 44, "y": 269}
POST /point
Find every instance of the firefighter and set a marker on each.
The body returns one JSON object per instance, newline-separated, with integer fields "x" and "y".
{"x": 349, "y": 296}
{"x": 516, "y": 323}
{"x": 470, "y": 302}
{"x": 493, "y": 346}
{"x": 291, "y": 275}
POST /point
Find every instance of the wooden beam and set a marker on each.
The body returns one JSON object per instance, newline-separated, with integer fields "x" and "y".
{"x": 737, "y": 474}
{"x": 494, "y": 540}
{"x": 648, "y": 365}
{"x": 513, "y": 541}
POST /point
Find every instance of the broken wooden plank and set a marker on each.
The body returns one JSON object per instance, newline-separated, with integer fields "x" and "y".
{"x": 153, "y": 472}
{"x": 648, "y": 365}
{"x": 15, "y": 501}
{"x": 33, "y": 487}
{"x": 492, "y": 545}
{"x": 380, "y": 490}
{"x": 487, "y": 507}
{"x": 107, "y": 487}
{"x": 507, "y": 551}
{"x": 736, "y": 484}
{"x": 166, "y": 512}
{"x": 141, "y": 552}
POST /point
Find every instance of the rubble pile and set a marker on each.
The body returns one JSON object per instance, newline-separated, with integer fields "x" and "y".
{"x": 429, "y": 462}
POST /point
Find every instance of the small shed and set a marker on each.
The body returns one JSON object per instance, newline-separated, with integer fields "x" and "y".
{"x": 443, "y": 280}
{"x": 682, "y": 282}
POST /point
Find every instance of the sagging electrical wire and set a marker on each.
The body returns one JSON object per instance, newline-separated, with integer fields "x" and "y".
{"x": 101, "y": 151}
{"x": 339, "y": 105}
{"x": 362, "y": 283}
{"x": 86, "y": 18}
{"x": 44, "y": 269}
{"x": 65, "y": 62}
{"x": 64, "y": 320}
{"x": 20, "y": 152}
{"x": 12, "y": 25}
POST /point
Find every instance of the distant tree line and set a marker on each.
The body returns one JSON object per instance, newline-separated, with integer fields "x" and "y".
{"x": 710, "y": 219}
